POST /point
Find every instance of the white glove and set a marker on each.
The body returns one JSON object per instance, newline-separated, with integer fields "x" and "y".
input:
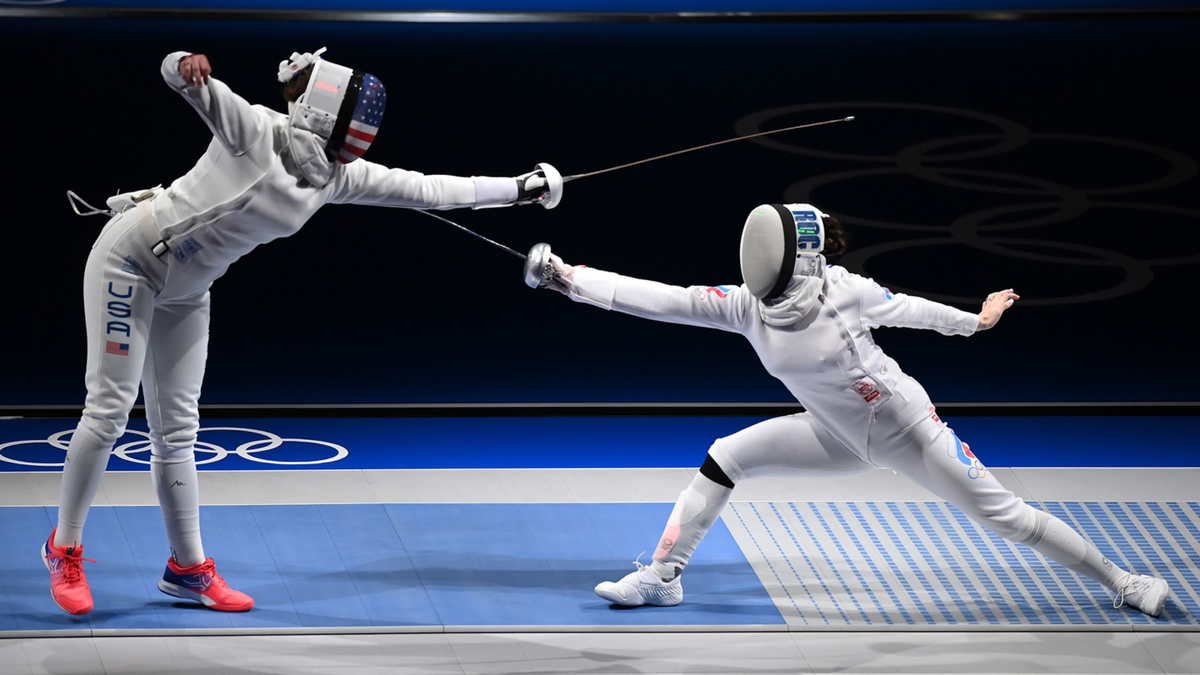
{"x": 564, "y": 276}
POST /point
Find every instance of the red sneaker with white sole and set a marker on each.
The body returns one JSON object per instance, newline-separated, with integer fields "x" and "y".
{"x": 68, "y": 584}
{"x": 202, "y": 584}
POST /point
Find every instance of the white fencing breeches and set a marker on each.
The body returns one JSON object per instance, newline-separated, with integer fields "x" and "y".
{"x": 133, "y": 337}
{"x": 928, "y": 453}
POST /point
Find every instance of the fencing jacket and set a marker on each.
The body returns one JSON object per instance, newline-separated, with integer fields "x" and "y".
{"x": 247, "y": 190}
{"x": 828, "y": 360}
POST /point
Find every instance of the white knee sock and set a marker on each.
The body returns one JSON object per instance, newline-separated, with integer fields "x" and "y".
{"x": 87, "y": 458}
{"x": 1058, "y": 541}
{"x": 178, "y": 487}
{"x": 697, "y": 509}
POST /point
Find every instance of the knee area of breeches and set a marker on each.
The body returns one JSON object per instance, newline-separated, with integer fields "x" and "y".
{"x": 103, "y": 430}
{"x": 1053, "y": 534}
{"x": 702, "y": 501}
{"x": 1013, "y": 520}
{"x": 720, "y": 462}
{"x": 176, "y": 434}
{"x": 172, "y": 455}
{"x": 711, "y": 470}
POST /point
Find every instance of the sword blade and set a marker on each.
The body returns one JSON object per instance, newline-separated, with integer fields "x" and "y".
{"x": 522, "y": 256}
{"x": 567, "y": 179}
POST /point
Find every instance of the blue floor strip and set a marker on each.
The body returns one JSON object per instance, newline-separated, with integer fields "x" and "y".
{"x": 393, "y": 565}
{"x": 434, "y": 567}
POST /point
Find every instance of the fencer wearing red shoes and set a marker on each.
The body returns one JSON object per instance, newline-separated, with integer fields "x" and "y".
{"x": 201, "y": 583}
{"x": 810, "y": 324}
{"x": 68, "y": 583}
{"x": 146, "y": 283}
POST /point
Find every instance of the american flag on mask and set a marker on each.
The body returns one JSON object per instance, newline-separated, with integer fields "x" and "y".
{"x": 368, "y": 113}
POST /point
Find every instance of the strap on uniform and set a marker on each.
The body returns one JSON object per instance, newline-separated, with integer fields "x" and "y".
{"x": 123, "y": 202}
{"x": 158, "y": 245}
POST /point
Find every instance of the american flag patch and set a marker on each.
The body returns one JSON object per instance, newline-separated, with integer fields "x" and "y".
{"x": 368, "y": 113}
{"x": 118, "y": 348}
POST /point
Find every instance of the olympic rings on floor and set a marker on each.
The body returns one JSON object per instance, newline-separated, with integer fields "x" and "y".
{"x": 137, "y": 452}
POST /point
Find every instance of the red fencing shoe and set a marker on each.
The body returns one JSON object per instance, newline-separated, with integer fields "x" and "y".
{"x": 202, "y": 584}
{"x": 68, "y": 585}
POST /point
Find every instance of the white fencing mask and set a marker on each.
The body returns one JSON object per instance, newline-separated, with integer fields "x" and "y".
{"x": 780, "y": 240}
{"x": 341, "y": 107}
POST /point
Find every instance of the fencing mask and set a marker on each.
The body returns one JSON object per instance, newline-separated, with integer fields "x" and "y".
{"x": 774, "y": 238}
{"x": 341, "y": 107}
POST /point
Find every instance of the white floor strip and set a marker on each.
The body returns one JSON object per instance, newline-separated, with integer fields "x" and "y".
{"x": 555, "y": 486}
{"x": 925, "y": 565}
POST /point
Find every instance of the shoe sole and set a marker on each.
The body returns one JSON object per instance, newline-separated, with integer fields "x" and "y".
{"x": 178, "y": 591}
{"x": 46, "y": 561}
{"x": 617, "y": 598}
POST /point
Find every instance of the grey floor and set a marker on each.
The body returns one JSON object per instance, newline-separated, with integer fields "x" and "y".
{"x": 660, "y": 651}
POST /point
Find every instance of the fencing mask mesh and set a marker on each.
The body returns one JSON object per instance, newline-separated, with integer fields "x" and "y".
{"x": 774, "y": 238}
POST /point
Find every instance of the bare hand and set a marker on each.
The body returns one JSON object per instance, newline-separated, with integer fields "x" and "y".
{"x": 994, "y": 306}
{"x": 195, "y": 70}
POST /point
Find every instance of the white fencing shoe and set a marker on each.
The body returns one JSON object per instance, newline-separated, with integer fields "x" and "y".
{"x": 1148, "y": 594}
{"x": 642, "y": 587}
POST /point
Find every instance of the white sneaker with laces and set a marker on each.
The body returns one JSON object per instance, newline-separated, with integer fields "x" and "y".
{"x": 1148, "y": 594}
{"x": 642, "y": 587}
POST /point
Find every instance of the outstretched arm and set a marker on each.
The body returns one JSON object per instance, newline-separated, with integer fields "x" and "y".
{"x": 371, "y": 184}
{"x": 994, "y": 306}
{"x": 881, "y": 307}
{"x": 722, "y": 307}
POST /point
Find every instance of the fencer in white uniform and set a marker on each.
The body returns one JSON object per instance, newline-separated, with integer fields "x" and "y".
{"x": 810, "y": 324}
{"x": 147, "y": 279}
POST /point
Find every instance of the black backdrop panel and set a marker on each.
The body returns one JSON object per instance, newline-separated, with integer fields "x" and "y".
{"x": 1057, "y": 158}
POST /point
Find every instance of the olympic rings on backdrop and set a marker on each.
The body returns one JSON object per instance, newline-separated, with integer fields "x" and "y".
{"x": 137, "y": 452}
{"x": 1051, "y": 202}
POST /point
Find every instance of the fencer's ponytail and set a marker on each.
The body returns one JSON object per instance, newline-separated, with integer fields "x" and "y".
{"x": 294, "y": 88}
{"x": 835, "y": 237}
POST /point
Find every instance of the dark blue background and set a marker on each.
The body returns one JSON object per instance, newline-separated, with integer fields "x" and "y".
{"x": 592, "y": 442}
{"x": 376, "y": 305}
